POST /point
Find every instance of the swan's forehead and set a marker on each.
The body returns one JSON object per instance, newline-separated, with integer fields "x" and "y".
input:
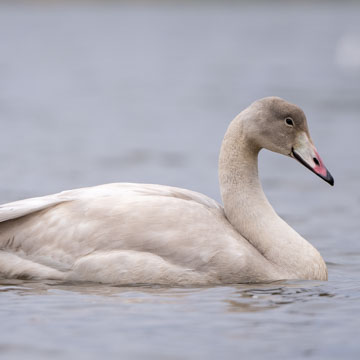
{"x": 278, "y": 108}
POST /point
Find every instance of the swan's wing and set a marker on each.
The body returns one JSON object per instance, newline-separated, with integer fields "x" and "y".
{"x": 17, "y": 209}
{"x": 118, "y": 233}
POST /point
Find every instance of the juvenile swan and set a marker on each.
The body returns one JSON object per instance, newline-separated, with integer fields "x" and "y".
{"x": 153, "y": 234}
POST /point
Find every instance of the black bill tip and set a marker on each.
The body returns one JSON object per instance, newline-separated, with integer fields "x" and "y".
{"x": 329, "y": 178}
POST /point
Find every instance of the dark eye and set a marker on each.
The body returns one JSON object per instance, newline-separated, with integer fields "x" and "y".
{"x": 289, "y": 121}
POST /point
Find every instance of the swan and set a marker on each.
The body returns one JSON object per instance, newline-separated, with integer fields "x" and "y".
{"x": 127, "y": 233}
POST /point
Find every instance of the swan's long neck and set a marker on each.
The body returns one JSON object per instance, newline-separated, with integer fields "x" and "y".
{"x": 251, "y": 214}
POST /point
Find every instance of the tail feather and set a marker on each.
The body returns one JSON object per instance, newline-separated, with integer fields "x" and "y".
{"x": 17, "y": 209}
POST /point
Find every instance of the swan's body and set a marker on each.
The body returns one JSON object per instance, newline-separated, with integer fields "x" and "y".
{"x": 137, "y": 233}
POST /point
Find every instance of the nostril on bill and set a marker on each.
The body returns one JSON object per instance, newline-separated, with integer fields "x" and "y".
{"x": 316, "y": 161}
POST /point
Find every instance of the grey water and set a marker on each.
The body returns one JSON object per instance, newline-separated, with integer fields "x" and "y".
{"x": 99, "y": 92}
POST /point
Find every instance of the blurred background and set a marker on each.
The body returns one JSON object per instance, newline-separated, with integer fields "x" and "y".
{"x": 93, "y": 92}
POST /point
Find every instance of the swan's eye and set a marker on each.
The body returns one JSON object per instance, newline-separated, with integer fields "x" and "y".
{"x": 289, "y": 121}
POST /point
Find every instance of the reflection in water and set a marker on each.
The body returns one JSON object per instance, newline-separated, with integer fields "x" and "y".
{"x": 243, "y": 298}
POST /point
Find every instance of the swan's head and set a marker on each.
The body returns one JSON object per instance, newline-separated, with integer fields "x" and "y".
{"x": 281, "y": 127}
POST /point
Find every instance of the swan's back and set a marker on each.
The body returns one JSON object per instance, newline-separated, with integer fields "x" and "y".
{"x": 17, "y": 209}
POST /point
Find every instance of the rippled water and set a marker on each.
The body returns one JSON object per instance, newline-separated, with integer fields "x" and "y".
{"x": 101, "y": 92}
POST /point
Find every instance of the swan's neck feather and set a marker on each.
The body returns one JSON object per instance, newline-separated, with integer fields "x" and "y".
{"x": 251, "y": 214}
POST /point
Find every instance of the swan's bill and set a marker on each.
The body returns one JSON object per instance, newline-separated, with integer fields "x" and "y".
{"x": 305, "y": 152}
